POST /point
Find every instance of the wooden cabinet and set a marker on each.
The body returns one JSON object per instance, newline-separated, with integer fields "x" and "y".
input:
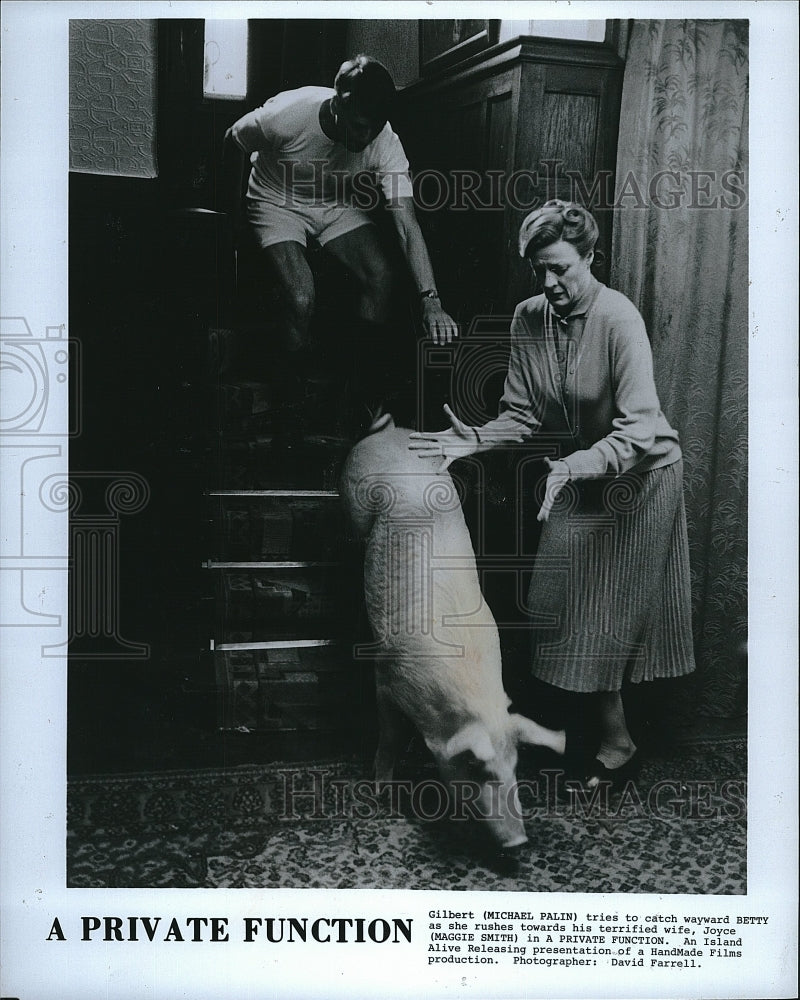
{"x": 489, "y": 140}
{"x": 493, "y": 137}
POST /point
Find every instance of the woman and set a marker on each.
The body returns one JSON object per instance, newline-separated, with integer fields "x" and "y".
{"x": 609, "y": 595}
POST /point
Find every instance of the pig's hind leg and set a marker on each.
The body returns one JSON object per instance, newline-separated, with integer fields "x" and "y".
{"x": 528, "y": 731}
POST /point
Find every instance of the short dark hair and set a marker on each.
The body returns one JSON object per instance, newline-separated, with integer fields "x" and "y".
{"x": 558, "y": 220}
{"x": 368, "y": 86}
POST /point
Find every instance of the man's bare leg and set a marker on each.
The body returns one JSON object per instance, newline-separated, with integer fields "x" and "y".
{"x": 287, "y": 264}
{"x": 362, "y": 254}
{"x": 375, "y": 357}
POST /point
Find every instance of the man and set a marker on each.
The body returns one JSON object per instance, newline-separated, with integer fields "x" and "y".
{"x": 310, "y": 149}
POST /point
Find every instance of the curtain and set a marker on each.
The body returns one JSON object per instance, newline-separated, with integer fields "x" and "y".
{"x": 680, "y": 254}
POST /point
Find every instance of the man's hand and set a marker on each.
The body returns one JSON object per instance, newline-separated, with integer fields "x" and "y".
{"x": 557, "y": 479}
{"x": 458, "y": 441}
{"x": 439, "y": 326}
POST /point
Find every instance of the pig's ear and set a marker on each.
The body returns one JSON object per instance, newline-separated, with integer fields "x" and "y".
{"x": 379, "y": 419}
{"x": 473, "y": 737}
{"x": 527, "y": 731}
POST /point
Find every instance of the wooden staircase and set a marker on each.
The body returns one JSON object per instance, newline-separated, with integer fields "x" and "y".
{"x": 283, "y": 605}
{"x": 285, "y": 575}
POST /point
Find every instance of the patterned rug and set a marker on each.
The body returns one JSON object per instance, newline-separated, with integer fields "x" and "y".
{"x": 680, "y": 828}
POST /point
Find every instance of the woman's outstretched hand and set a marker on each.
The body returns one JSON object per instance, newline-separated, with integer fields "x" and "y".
{"x": 557, "y": 479}
{"x": 457, "y": 441}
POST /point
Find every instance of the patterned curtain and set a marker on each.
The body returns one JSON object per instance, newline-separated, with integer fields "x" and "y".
{"x": 680, "y": 253}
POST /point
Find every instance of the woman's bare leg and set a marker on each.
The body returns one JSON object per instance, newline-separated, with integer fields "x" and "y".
{"x": 616, "y": 745}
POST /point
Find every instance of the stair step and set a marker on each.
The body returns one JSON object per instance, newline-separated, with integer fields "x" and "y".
{"x": 238, "y": 400}
{"x": 247, "y": 396}
{"x": 288, "y": 688}
{"x": 269, "y": 529}
{"x": 225, "y": 647}
{"x": 332, "y": 494}
{"x": 316, "y": 465}
{"x": 273, "y": 564}
{"x": 235, "y": 633}
{"x": 249, "y": 409}
{"x": 235, "y": 638}
{"x": 288, "y": 595}
{"x": 282, "y": 601}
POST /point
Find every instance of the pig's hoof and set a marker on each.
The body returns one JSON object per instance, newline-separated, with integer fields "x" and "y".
{"x": 506, "y": 860}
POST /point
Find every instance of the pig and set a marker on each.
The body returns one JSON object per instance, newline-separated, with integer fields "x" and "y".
{"x": 437, "y": 648}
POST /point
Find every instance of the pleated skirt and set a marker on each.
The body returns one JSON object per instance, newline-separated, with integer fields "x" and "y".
{"x": 610, "y": 595}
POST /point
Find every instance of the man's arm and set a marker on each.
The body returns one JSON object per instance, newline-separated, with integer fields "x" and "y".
{"x": 233, "y": 166}
{"x": 253, "y": 132}
{"x": 439, "y": 326}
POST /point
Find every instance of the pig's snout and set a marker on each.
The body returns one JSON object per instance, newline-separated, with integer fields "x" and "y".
{"x": 505, "y": 841}
{"x": 486, "y": 776}
{"x": 503, "y": 819}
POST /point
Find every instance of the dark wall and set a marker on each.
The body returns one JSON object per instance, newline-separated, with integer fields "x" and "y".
{"x": 147, "y": 281}
{"x": 282, "y": 55}
{"x": 143, "y": 406}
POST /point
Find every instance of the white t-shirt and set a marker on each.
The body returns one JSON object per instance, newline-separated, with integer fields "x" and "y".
{"x": 292, "y": 158}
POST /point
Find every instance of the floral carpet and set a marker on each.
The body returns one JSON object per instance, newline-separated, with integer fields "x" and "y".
{"x": 680, "y": 828}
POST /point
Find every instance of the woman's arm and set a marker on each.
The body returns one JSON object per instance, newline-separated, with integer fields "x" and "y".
{"x": 635, "y": 401}
{"x": 515, "y": 423}
{"x": 518, "y": 412}
{"x": 458, "y": 441}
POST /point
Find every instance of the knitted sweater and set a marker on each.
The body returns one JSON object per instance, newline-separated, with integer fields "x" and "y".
{"x": 604, "y": 407}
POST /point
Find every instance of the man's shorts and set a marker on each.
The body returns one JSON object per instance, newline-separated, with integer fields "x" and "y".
{"x": 273, "y": 224}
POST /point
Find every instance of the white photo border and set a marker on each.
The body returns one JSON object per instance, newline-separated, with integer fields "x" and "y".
{"x": 33, "y": 709}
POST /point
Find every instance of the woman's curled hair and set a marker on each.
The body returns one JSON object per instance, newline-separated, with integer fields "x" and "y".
{"x": 558, "y": 220}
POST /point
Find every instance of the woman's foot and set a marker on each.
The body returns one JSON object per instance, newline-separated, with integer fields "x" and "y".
{"x": 614, "y": 755}
{"x": 615, "y": 765}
